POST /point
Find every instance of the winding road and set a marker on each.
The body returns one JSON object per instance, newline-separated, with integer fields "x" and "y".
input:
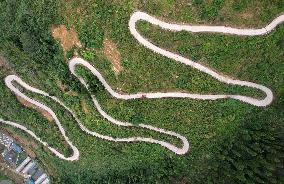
{"x": 141, "y": 16}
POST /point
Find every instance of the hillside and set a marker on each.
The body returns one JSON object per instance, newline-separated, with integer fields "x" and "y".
{"x": 231, "y": 139}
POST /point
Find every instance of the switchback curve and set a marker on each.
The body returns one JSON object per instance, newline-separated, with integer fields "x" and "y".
{"x": 138, "y": 16}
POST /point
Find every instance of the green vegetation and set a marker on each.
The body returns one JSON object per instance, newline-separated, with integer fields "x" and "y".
{"x": 2, "y": 148}
{"x": 231, "y": 142}
{"x": 3, "y": 177}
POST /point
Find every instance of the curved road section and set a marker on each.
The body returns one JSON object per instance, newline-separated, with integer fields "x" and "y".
{"x": 137, "y": 16}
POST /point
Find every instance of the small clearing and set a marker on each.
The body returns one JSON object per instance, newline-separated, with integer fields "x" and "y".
{"x": 67, "y": 38}
{"x": 247, "y": 15}
{"x": 61, "y": 86}
{"x": 2, "y": 62}
{"x": 84, "y": 106}
{"x": 112, "y": 54}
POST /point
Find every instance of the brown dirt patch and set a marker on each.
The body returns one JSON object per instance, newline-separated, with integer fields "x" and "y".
{"x": 64, "y": 89}
{"x": 84, "y": 107}
{"x": 112, "y": 54}
{"x": 30, "y": 105}
{"x": 3, "y": 62}
{"x": 67, "y": 38}
{"x": 247, "y": 15}
{"x": 61, "y": 86}
{"x": 71, "y": 93}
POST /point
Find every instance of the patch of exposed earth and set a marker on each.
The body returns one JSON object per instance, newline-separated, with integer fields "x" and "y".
{"x": 112, "y": 54}
{"x": 67, "y": 38}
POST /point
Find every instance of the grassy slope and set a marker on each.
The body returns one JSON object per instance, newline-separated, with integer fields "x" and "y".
{"x": 202, "y": 122}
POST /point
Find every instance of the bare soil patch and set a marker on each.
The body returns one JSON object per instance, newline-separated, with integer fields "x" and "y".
{"x": 112, "y": 54}
{"x": 71, "y": 93}
{"x": 247, "y": 15}
{"x": 64, "y": 89}
{"x": 61, "y": 86}
{"x": 84, "y": 107}
{"x": 30, "y": 105}
{"x": 67, "y": 38}
{"x": 3, "y": 62}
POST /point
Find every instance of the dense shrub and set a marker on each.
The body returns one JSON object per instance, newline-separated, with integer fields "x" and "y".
{"x": 253, "y": 154}
{"x": 162, "y": 172}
